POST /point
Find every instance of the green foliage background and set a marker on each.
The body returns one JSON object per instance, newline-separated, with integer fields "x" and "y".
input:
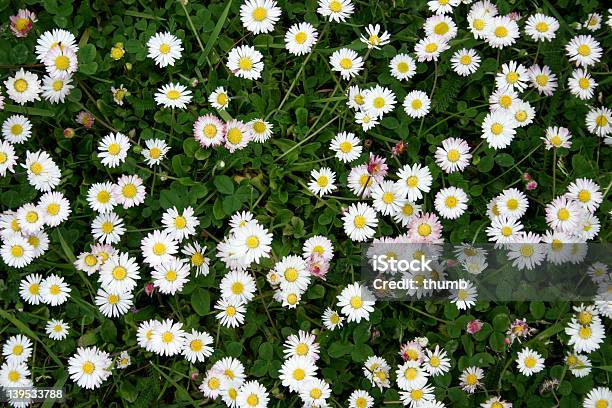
{"x": 306, "y": 104}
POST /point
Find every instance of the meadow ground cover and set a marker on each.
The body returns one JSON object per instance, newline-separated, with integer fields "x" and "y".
{"x": 186, "y": 188}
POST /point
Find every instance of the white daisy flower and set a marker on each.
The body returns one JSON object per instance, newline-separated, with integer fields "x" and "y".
{"x": 8, "y": 158}
{"x": 39, "y": 241}
{"x": 173, "y": 96}
{"x": 219, "y": 99}
{"x": 107, "y": 228}
{"x": 503, "y": 230}
{"x": 231, "y": 312}
{"x": 360, "y": 222}
{"x": 238, "y": 286}
{"x": 29, "y": 289}
{"x": 129, "y": 191}
{"x": 17, "y": 349}
{"x": 465, "y": 61}
{"x": 119, "y": 94}
{"x": 414, "y": 181}
{"x": 388, "y": 197}
{"x": 430, "y": 48}
{"x": 113, "y": 149}
{"x": 599, "y": 121}
{"x": 30, "y": 218}
{"x": 585, "y": 338}
{"x": 164, "y": 49}
{"x": 411, "y": 375}
{"x": 564, "y": 214}
{"x": 100, "y": 197}
{"x": 541, "y": 27}
{"x": 296, "y": 371}
{"x": 407, "y": 213}
{"x": 354, "y": 97}
{"x": 586, "y": 192}
{"x": 43, "y": 173}
{"x": 56, "y": 90}
{"x": 512, "y": 203}
{"x": 442, "y": 6}
{"x": 168, "y": 338}
{"x": 88, "y": 262}
{"x": 436, "y": 362}
{"x": 378, "y": 101}
{"x": 526, "y": 252}
{"x": 502, "y": 31}
{"x": 56, "y": 329}
{"x": 303, "y": 344}
{"x": 347, "y": 62}
{"x": 416, "y": 104}
{"x": 197, "y": 258}
{"x": 318, "y": 245}
{"x": 23, "y": 87}
{"x": 245, "y": 62}
{"x": 498, "y": 129}
{"x": 252, "y": 395}
{"x": 180, "y": 225}
{"x": 417, "y": 397}
{"x": 598, "y": 397}
{"x": 453, "y": 155}
{"x": 261, "y": 130}
{"x": 119, "y": 273}
{"x": 513, "y": 76}
{"x": 451, "y": 202}
{"x": 113, "y": 304}
{"x": 158, "y": 247}
{"x": 197, "y": 346}
{"x": 60, "y": 62}
{"x": 479, "y": 22}
{"x": 360, "y": 399}
{"x": 336, "y": 10}
{"x": 373, "y": 38}
{"x": 315, "y": 393}
{"x": 54, "y": 290}
{"x": 292, "y": 274}
{"x": 346, "y": 146}
{"x": 237, "y": 135}
{"x": 16, "y": 251}
{"x": 124, "y": 360}
{"x": 331, "y": 319}
{"x": 366, "y": 120}
{"x": 557, "y": 137}
{"x": 170, "y": 276}
{"x": 155, "y": 151}
{"x": 322, "y": 181}
{"x": 209, "y": 130}
{"x": 581, "y": 84}
{"x": 15, "y": 375}
{"x": 440, "y": 26}
{"x": 54, "y": 207}
{"x": 259, "y": 16}
{"x": 522, "y": 112}
{"x": 583, "y": 50}
{"x": 464, "y": 298}
{"x": 17, "y": 129}
{"x": 356, "y": 302}
{"x": 402, "y": 67}
{"x": 89, "y": 367}
{"x": 543, "y": 80}
{"x": 593, "y": 22}
{"x": 56, "y": 38}
{"x": 300, "y": 38}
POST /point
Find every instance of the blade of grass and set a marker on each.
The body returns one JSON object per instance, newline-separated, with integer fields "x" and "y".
{"x": 215, "y": 33}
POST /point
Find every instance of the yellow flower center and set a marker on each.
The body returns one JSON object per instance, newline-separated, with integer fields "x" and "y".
{"x": 173, "y": 94}
{"x": 159, "y": 249}
{"x": 316, "y": 393}
{"x": 301, "y": 37}
{"x": 196, "y": 345}
{"x": 361, "y": 402}
{"x": 17, "y": 251}
{"x": 584, "y": 50}
{"x": 119, "y": 273}
{"x": 292, "y": 299}
{"x": 542, "y": 79}
{"x": 210, "y": 131}
{"x": 584, "y": 83}
{"x": 408, "y": 210}
{"x": 252, "y": 400}
{"x": 359, "y": 221}
{"x": 129, "y": 191}
{"x": 107, "y": 227}
{"x": 18, "y": 349}
{"x": 90, "y": 260}
{"x": 237, "y": 288}
{"x": 31, "y": 217}
{"x": 335, "y": 6}
{"x": 167, "y": 337}
{"x": 113, "y": 299}
{"x": 441, "y": 28}
{"x": 54, "y": 289}
{"x": 356, "y": 302}
{"x": 585, "y": 318}
{"x": 416, "y": 395}
{"x": 36, "y": 168}
{"x": 222, "y": 99}
{"x": 21, "y": 85}
{"x": 416, "y": 104}
{"x": 527, "y": 251}
{"x": 260, "y": 14}
{"x": 245, "y": 63}
{"x": 520, "y": 116}
{"x": 471, "y": 379}
{"x": 164, "y": 48}
{"x": 479, "y": 24}
{"x": 197, "y": 259}
{"x": 506, "y": 231}
{"x": 213, "y": 383}
{"x": 299, "y": 374}
{"x": 601, "y": 121}
{"x": 410, "y": 373}
{"x": 62, "y": 62}
{"x": 512, "y": 77}
{"x": 114, "y": 149}
{"x": 431, "y": 47}
{"x": 234, "y": 136}
{"x": 541, "y": 27}
{"x": 155, "y": 152}
{"x": 180, "y": 222}
{"x": 322, "y": 181}
{"x": 453, "y": 155}
{"x": 563, "y": 214}
{"x": 388, "y": 197}
{"x": 53, "y": 209}
{"x": 346, "y": 63}
{"x": 301, "y": 349}
{"x": 16, "y": 129}
{"x": 259, "y": 127}
{"x": 424, "y": 230}
{"x": 450, "y": 202}
{"x": 412, "y": 181}
{"x": 512, "y": 204}
{"x": 465, "y": 60}
{"x": 3, "y": 157}
{"x": 22, "y": 23}
{"x": 171, "y": 276}
{"x": 584, "y": 196}
{"x": 346, "y": 147}
{"x": 505, "y": 101}
{"x": 403, "y": 67}
{"x": 34, "y": 241}
{"x": 34, "y": 289}
{"x": 501, "y": 32}
{"x": 291, "y": 274}
{"x": 230, "y": 311}
{"x": 497, "y": 128}
{"x": 252, "y": 242}
{"x": 601, "y": 404}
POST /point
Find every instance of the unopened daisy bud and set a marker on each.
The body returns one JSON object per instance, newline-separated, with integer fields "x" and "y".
{"x": 137, "y": 149}
{"x": 399, "y": 148}
{"x": 514, "y": 16}
{"x": 163, "y": 176}
{"x": 194, "y": 82}
{"x": 221, "y": 164}
{"x": 69, "y": 133}
{"x": 532, "y": 185}
{"x": 526, "y": 176}
{"x": 474, "y": 326}
{"x": 507, "y": 341}
{"x": 128, "y": 66}
{"x": 194, "y": 375}
{"x": 375, "y": 333}
{"x": 149, "y": 288}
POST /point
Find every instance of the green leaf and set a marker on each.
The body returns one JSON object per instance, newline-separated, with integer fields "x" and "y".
{"x": 224, "y": 184}
{"x": 200, "y": 300}
{"x": 266, "y": 352}
{"x": 215, "y": 33}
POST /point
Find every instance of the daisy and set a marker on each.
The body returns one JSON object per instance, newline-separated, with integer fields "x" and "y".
{"x": 17, "y": 129}
{"x": 440, "y": 26}
{"x": 347, "y": 62}
{"x": 498, "y": 128}
{"x": 416, "y": 104}
{"x": 302, "y": 344}
{"x": 470, "y": 379}
{"x": 579, "y": 364}
{"x": 373, "y": 39}
{"x": 39, "y": 241}
{"x": 504, "y": 230}
{"x": 56, "y": 329}
{"x": 261, "y": 130}
{"x": 119, "y": 94}
{"x": 590, "y": 227}
{"x": 88, "y": 262}
{"x": 22, "y": 23}
{"x": 29, "y": 289}
{"x": 245, "y": 62}
{"x": 593, "y": 22}
{"x": 355, "y": 98}
{"x": 417, "y": 397}
{"x": 512, "y": 203}
{"x": 584, "y": 50}
{"x": 322, "y": 181}
{"x": 479, "y": 22}
{"x": 238, "y": 286}
{"x": 113, "y": 304}
{"x": 292, "y": 274}
{"x": 259, "y": 16}
{"x": 360, "y": 399}
{"x": 209, "y": 130}
{"x": 543, "y": 80}
{"x": 436, "y": 362}
{"x": 465, "y": 61}
{"x": 119, "y": 273}
{"x": 495, "y": 402}
{"x": 113, "y": 149}
{"x": 129, "y": 191}
{"x": 30, "y": 218}
{"x": 366, "y": 120}
{"x": 414, "y": 181}
{"x": 124, "y": 360}
{"x": 522, "y": 112}
{"x": 564, "y": 214}
{"x": 170, "y": 276}
{"x": 529, "y": 362}
{"x": 180, "y": 225}
{"x": 464, "y": 298}
{"x": 360, "y": 222}
{"x": 241, "y": 219}
{"x": 252, "y": 243}
{"x": 586, "y": 192}
{"x": 56, "y": 38}
{"x": 54, "y": 207}
{"x": 411, "y": 375}
{"x": 24, "y": 87}
{"x": 173, "y": 96}
{"x": 107, "y": 228}
{"x": 451, "y": 202}
{"x": 356, "y": 302}
{"x": 219, "y": 98}
{"x": 158, "y": 247}
{"x": 211, "y": 385}
{"x": 378, "y": 101}
{"x": 402, "y": 67}
{"x": 16, "y": 251}
{"x": 300, "y": 38}
{"x": 388, "y": 197}
{"x": 197, "y": 258}
{"x": 231, "y": 312}
{"x": 346, "y": 146}
{"x": 86, "y": 119}
{"x": 60, "y": 62}
{"x": 336, "y": 10}
{"x": 315, "y": 393}
{"x": 144, "y": 334}
{"x": 598, "y": 397}
{"x": 164, "y": 49}
{"x": 168, "y": 338}
{"x": 15, "y": 375}
{"x": 56, "y": 90}
{"x": 502, "y": 32}
{"x": 331, "y": 319}
{"x": 599, "y": 121}
{"x": 430, "y": 48}
{"x": 581, "y": 84}
{"x": 360, "y": 181}
{"x": 407, "y": 213}
{"x": 237, "y": 135}
{"x": 54, "y": 290}
{"x": 43, "y": 173}
{"x": 296, "y": 371}
{"x": 556, "y": 137}
{"x": 155, "y": 151}
{"x": 8, "y": 159}
{"x": 541, "y": 27}
{"x": 197, "y": 346}
{"x": 585, "y": 338}
{"x": 503, "y": 99}
{"x": 100, "y": 197}
{"x": 318, "y": 245}
{"x": 513, "y": 76}
{"x": 252, "y": 395}
{"x": 453, "y": 155}
{"x": 288, "y": 299}
{"x": 89, "y": 367}
{"x": 377, "y": 371}
{"x": 17, "y": 349}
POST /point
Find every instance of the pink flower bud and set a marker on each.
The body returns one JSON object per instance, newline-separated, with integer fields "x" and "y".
{"x": 149, "y": 288}
{"x": 474, "y": 326}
